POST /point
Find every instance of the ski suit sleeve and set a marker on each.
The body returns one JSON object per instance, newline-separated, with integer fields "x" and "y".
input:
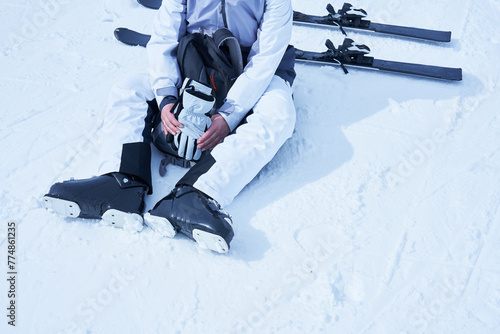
{"x": 168, "y": 27}
{"x": 273, "y": 37}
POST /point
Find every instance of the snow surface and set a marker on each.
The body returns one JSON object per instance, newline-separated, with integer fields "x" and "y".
{"x": 380, "y": 215}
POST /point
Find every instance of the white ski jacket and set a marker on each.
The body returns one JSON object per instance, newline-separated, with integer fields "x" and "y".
{"x": 263, "y": 25}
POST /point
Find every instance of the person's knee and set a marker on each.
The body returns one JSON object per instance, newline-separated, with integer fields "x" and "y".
{"x": 284, "y": 117}
{"x": 291, "y": 117}
{"x": 281, "y": 113}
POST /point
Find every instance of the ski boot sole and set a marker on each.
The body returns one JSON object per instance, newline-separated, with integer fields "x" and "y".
{"x": 112, "y": 217}
{"x": 160, "y": 225}
{"x": 210, "y": 241}
{"x": 124, "y": 220}
{"x": 204, "y": 239}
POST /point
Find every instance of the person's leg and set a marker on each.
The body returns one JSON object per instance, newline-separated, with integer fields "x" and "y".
{"x": 193, "y": 206}
{"x": 116, "y": 197}
{"x": 236, "y": 161}
{"x": 128, "y": 122}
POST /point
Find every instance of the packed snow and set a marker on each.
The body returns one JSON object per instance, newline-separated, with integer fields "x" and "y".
{"x": 379, "y": 215}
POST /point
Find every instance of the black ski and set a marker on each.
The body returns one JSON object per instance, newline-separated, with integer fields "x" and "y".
{"x": 351, "y": 18}
{"x": 349, "y": 54}
{"x": 131, "y": 37}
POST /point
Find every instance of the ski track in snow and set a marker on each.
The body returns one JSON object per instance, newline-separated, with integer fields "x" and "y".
{"x": 379, "y": 215}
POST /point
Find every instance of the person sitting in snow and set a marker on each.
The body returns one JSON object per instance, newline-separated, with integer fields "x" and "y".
{"x": 243, "y": 135}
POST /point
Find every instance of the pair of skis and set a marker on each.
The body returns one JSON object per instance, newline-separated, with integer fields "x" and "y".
{"x": 349, "y": 54}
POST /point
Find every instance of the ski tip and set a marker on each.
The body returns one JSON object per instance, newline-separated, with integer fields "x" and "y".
{"x": 117, "y": 32}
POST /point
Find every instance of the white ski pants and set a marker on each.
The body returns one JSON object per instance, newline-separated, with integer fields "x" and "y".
{"x": 238, "y": 158}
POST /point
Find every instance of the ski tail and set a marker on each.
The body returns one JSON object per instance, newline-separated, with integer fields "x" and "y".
{"x": 431, "y": 35}
{"x": 429, "y": 71}
{"x": 153, "y": 4}
{"x": 131, "y": 37}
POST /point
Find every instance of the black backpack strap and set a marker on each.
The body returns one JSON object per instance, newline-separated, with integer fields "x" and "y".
{"x": 220, "y": 61}
{"x": 190, "y": 61}
{"x": 224, "y": 37}
{"x": 182, "y": 46}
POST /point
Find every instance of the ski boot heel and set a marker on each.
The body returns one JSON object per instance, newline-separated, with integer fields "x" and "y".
{"x": 210, "y": 241}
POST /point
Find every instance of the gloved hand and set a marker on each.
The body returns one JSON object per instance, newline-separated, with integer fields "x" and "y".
{"x": 192, "y": 111}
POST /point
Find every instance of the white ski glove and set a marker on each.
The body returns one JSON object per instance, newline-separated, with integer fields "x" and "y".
{"x": 196, "y": 102}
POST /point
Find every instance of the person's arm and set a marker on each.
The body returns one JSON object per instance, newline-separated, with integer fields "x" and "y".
{"x": 168, "y": 27}
{"x": 273, "y": 38}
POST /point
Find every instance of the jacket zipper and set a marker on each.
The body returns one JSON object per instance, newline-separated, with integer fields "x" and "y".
{"x": 223, "y": 12}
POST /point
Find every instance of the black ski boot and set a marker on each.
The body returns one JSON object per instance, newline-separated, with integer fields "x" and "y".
{"x": 191, "y": 212}
{"x": 117, "y": 198}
